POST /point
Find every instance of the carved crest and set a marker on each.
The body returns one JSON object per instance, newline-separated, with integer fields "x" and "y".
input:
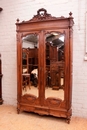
{"x": 42, "y": 15}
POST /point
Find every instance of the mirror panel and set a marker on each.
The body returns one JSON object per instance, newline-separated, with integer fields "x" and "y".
{"x": 54, "y": 63}
{"x": 30, "y": 64}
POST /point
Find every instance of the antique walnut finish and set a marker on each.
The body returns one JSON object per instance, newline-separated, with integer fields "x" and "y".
{"x": 50, "y": 69}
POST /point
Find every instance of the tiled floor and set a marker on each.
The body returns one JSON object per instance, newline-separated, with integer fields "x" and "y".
{"x": 10, "y": 120}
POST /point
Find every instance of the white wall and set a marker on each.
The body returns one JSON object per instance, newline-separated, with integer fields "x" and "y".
{"x": 24, "y": 10}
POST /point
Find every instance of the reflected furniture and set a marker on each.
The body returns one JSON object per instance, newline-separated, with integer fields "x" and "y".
{"x": 26, "y": 80}
{"x": 34, "y": 77}
{"x": 44, "y": 43}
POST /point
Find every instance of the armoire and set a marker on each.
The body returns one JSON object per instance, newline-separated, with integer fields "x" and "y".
{"x": 44, "y": 65}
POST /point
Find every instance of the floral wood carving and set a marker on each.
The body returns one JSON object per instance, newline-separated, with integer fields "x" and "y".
{"x": 42, "y": 15}
{"x": 29, "y": 97}
{"x": 54, "y": 102}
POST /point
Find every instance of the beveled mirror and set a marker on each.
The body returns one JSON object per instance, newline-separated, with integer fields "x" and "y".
{"x": 30, "y": 64}
{"x": 54, "y": 44}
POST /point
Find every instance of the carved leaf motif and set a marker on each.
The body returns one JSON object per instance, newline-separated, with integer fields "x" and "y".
{"x": 43, "y": 15}
{"x": 29, "y": 97}
{"x": 54, "y": 101}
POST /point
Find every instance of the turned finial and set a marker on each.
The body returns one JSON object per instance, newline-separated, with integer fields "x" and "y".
{"x": 70, "y": 14}
{"x": 18, "y": 20}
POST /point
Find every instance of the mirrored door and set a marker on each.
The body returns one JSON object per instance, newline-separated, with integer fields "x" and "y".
{"x": 30, "y": 64}
{"x": 54, "y": 65}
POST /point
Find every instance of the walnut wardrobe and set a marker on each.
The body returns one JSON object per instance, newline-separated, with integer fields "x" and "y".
{"x": 44, "y": 65}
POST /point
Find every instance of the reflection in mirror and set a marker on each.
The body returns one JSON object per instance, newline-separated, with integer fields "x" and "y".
{"x": 54, "y": 65}
{"x": 30, "y": 64}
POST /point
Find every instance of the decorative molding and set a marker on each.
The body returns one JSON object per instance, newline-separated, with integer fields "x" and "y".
{"x": 42, "y": 15}
{"x": 29, "y": 97}
{"x": 53, "y": 102}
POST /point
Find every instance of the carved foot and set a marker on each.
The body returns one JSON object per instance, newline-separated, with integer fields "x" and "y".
{"x": 68, "y": 119}
{"x": 18, "y": 110}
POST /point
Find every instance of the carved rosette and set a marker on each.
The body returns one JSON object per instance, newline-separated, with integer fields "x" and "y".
{"x": 29, "y": 98}
{"x": 53, "y": 102}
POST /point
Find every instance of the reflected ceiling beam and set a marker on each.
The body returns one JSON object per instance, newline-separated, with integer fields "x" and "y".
{"x": 31, "y": 38}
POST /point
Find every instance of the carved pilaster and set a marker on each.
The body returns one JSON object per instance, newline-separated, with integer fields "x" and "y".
{"x": 71, "y": 24}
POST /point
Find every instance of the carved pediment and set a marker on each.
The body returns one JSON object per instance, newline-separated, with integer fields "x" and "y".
{"x": 42, "y": 15}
